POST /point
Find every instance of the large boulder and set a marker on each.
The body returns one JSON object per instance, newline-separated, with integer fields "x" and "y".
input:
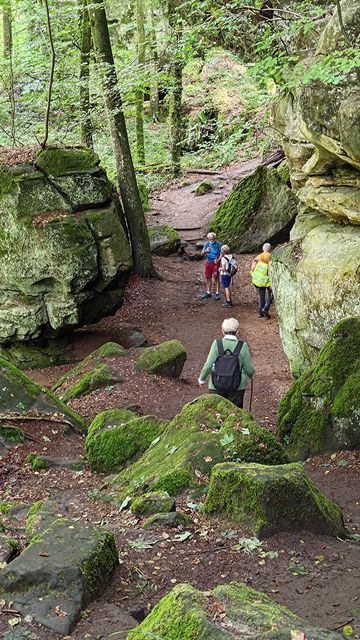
{"x": 226, "y": 612}
{"x": 22, "y": 399}
{"x": 261, "y": 208}
{"x": 206, "y": 431}
{"x": 166, "y": 359}
{"x": 63, "y": 210}
{"x": 65, "y": 567}
{"x": 163, "y": 239}
{"x": 117, "y": 436}
{"x": 316, "y": 281}
{"x": 270, "y": 499}
{"x": 320, "y": 412}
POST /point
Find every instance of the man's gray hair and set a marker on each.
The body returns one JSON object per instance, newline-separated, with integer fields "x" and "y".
{"x": 211, "y": 234}
{"x": 230, "y": 325}
{"x": 267, "y": 247}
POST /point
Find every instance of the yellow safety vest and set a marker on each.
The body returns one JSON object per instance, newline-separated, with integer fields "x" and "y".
{"x": 260, "y": 276}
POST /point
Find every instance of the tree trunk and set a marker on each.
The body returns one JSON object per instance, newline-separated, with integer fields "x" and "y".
{"x": 176, "y": 126}
{"x": 154, "y": 84}
{"x": 140, "y": 144}
{"x": 52, "y": 73}
{"x": 7, "y": 30}
{"x": 125, "y": 169}
{"x": 86, "y": 126}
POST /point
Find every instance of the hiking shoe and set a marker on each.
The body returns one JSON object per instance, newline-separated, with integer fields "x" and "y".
{"x": 206, "y": 296}
{"x": 261, "y": 314}
{"x": 227, "y": 303}
{"x": 217, "y": 296}
{"x": 266, "y": 314}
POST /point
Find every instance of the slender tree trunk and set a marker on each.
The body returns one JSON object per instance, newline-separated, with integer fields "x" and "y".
{"x": 86, "y": 126}
{"x": 176, "y": 127}
{"x": 140, "y": 144}
{"x": 7, "y": 30}
{"x": 125, "y": 169}
{"x": 154, "y": 84}
{"x": 52, "y": 71}
{"x": 8, "y": 55}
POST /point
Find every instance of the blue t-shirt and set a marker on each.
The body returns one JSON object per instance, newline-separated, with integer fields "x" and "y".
{"x": 215, "y": 250}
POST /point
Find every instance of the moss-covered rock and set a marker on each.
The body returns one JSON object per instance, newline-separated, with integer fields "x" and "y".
{"x": 100, "y": 376}
{"x": 172, "y": 519}
{"x": 188, "y": 614}
{"x": 270, "y": 499}
{"x": 37, "y": 462}
{"x": 20, "y": 397}
{"x": 65, "y": 567}
{"x": 153, "y": 502}
{"x": 204, "y": 187}
{"x": 206, "y": 431}
{"x": 107, "y": 350}
{"x": 77, "y": 258}
{"x": 165, "y": 359}
{"x": 320, "y": 412}
{"x": 261, "y": 208}
{"x": 118, "y": 436}
{"x": 163, "y": 239}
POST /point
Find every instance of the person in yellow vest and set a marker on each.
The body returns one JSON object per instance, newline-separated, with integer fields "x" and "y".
{"x": 261, "y": 281}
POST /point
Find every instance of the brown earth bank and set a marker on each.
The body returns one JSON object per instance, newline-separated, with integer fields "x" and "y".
{"x": 317, "y": 577}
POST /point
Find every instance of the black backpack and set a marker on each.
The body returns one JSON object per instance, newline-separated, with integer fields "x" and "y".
{"x": 226, "y": 374}
{"x": 232, "y": 266}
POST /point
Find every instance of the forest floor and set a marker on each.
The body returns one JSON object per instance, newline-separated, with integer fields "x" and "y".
{"x": 316, "y": 576}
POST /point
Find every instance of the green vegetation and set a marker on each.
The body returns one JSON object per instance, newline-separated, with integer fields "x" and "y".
{"x": 166, "y": 359}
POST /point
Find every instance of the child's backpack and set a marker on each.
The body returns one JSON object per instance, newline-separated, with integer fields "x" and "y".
{"x": 232, "y": 266}
{"x": 226, "y": 374}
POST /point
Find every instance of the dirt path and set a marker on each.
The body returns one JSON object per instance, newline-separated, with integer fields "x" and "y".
{"x": 324, "y": 590}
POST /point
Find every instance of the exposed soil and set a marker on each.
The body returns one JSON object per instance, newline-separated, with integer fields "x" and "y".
{"x": 315, "y": 576}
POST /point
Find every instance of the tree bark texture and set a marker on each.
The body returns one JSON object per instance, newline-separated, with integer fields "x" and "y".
{"x": 86, "y": 125}
{"x": 125, "y": 169}
{"x": 154, "y": 84}
{"x": 52, "y": 71}
{"x": 141, "y": 44}
{"x": 7, "y": 30}
{"x": 176, "y": 125}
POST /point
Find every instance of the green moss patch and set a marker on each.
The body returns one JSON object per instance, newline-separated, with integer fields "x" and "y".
{"x": 204, "y": 187}
{"x": 153, "y": 502}
{"x": 188, "y": 614}
{"x": 36, "y": 462}
{"x": 118, "y": 436}
{"x": 172, "y": 519}
{"x": 320, "y": 412}
{"x": 62, "y": 161}
{"x": 206, "y": 431}
{"x": 269, "y": 499}
{"x": 166, "y": 359}
{"x": 12, "y": 434}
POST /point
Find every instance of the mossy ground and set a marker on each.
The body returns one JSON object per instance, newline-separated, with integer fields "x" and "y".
{"x": 206, "y": 431}
{"x": 12, "y": 434}
{"x": 61, "y": 161}
{"x": 320, "y": 411}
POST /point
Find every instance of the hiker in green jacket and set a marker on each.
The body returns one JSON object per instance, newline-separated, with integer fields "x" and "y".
{"x": 230, "y": 327}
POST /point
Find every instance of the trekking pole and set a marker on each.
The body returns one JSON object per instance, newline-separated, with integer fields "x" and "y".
{"x": 251, "y": 393}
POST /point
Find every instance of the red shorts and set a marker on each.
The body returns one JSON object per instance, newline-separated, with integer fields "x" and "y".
{"x": 211, "y": 270}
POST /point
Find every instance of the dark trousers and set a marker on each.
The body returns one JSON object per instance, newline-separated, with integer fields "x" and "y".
{"x": 264, "y": 293}
{"x": 236, "y": 397}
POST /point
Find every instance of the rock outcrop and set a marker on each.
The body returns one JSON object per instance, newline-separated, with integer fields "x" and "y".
{"x": 321, "y": 410}
{"x": 316, "y": 277}
{"x": 164, "y": 240}
{"x": 270, "y": 499}
{"x": 190, "y": 614}
{"x": 166, "y": 359}
{"x": 65, "y": 255}
{"x": 261, "y": 208}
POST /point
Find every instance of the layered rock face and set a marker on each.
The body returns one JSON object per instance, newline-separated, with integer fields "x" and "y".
{"x": 316, "y": 277}
{"x": 64, "y": 252}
